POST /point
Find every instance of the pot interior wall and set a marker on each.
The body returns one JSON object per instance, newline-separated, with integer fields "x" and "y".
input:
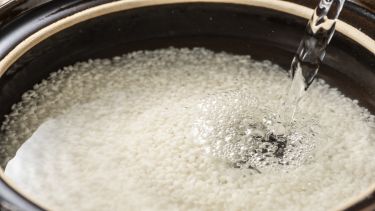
{"x": 261, "y": 33}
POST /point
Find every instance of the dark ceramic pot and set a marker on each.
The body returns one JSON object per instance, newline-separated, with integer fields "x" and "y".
{"x": 39, "y": 37}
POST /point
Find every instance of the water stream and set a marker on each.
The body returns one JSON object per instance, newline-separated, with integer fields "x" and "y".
{"x": 310, "y": 53}
{"x": 277, "y": 139}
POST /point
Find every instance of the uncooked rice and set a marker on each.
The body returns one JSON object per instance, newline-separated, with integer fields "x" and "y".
{"x": 116, "y": 134}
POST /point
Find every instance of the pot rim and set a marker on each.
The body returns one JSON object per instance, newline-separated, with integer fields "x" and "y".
{"x": 122, "y": 5}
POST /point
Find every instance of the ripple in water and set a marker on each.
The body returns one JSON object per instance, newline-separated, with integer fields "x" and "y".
{"x": 232, "y": 126}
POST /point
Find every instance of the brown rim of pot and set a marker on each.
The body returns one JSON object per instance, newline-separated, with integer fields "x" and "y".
{"x": 121, "y": 5}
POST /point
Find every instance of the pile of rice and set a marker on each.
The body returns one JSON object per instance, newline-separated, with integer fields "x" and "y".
{"x": 116, "y": 134}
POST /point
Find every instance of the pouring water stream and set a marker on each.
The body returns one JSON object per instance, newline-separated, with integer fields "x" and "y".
{"x": 310, "y": 53}
{"x": 304, "y": 68}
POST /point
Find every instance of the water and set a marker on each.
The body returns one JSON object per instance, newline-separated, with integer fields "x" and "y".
{"x": 311, "y": 52}
{"x": 239, "y": 129}
{"x": 250, "y": 135}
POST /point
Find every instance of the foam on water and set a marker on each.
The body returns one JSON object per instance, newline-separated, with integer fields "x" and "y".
{"x": 122, "y": 134}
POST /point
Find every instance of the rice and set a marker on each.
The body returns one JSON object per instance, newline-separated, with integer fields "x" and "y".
{"x": 116, "y": 134}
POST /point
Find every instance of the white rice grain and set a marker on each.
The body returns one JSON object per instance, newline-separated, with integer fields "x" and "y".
{"x": 116, "y": 135}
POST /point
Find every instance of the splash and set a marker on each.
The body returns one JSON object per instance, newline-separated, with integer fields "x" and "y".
{"x": 234, "y": 127}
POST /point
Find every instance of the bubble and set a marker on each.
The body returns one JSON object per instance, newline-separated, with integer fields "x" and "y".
{"x": 240, "y": 131}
